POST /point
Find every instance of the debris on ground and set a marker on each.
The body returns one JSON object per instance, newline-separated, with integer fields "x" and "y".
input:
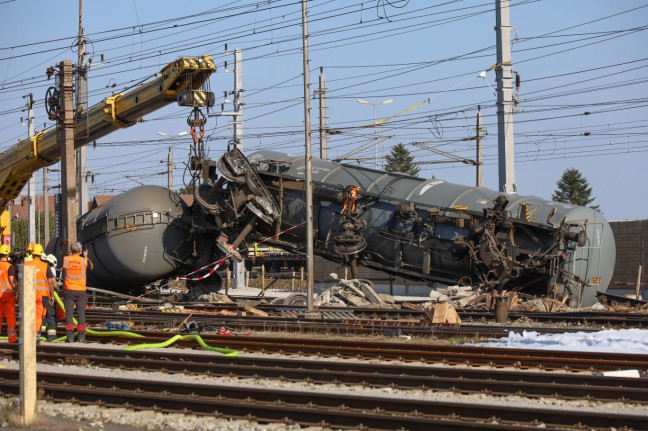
{"x": 355, "y": 293}
{"x": 219, "y": 298}
{"x": 549, "y": 305}
{"x": 458, "y": 296}
{"x": 472, "y": 298}
{"x": 442, "y": 314}
{"x": 621, "y": 303}
{"x": 120, "y": 325}
{"x": 169, "y": 308}
{"x": 360, "y": 293}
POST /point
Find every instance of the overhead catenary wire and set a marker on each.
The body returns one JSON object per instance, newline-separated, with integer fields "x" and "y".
{"x": 271, "y": 106}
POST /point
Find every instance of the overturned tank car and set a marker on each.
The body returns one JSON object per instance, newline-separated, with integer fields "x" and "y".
{"x": 136, "y": 238}
{"x": 421, "y": 229}
{"x": 434, "y": 230}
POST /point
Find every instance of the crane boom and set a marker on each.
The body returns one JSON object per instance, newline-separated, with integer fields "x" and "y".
{"x": 18, "y": 163}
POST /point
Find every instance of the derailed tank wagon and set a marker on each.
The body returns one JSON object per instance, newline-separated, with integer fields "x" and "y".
{"x": 442, "y": 232}
{"x": 135, "y": 238}
{"x": 420, "y": 229}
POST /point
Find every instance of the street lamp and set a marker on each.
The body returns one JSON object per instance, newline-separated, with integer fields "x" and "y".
{"x": 384, "y": 102}
{"x": 172, "y": 137}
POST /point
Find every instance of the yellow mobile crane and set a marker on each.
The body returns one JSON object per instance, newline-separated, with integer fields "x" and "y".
{"x": 179, "y": 81}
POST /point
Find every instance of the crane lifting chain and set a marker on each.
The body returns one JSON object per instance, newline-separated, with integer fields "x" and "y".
{"x": 196, "y": 121}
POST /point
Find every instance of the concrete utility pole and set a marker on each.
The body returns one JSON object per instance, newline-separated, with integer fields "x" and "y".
{"x": 478, "y": 139}
{"x": 506, "y": 152}
{"x": 46, "y": 233}
{"x": 237, "y": 122}
{"x": 27, "y": 302}
{"x": 321, "y": 93}
{"x": 308, "y": 184}
{"x": 170, "y": 169}
{"x": 66, "y": 142}
{"x": 31, "y": 185}
{"x": 81, "y": 105}
{"x": 237, "y": 101}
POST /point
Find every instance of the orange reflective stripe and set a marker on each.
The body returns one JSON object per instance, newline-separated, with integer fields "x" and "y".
{"x": 5, "y": 284}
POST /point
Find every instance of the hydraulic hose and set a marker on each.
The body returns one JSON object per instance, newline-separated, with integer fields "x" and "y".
{"x": 197, "y": 338}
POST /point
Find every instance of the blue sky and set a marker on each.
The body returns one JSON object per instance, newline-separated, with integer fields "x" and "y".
{"x": 573, "y": 57}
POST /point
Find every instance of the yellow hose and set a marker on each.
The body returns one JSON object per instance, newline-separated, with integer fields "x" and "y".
{"x": 201, "y": 342}
{"x": 198, "y": 338}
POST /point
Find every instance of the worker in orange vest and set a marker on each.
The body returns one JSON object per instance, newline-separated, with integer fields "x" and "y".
{"x": 45, "y": 282}
{"x": 74, "y": 289}
{"x": 8, "y": 293}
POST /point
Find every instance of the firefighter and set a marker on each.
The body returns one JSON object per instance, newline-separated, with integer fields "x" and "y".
{"x": 8, "y": 293}
{"x": 74, "y": 289}
{"x": 28, "y": 253}
{"x": 44, "y": 281}
{"x": 49, "y": 322}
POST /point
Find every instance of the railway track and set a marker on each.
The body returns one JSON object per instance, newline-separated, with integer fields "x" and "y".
{"x": 607, "y": 318}
{"x": 341, "y": 366}
{"x": 336, "y": 410}
{"x": 360, "y": 321}
{"x": 399, "y": 376}
{"x": 301, "y": 360}
{"x": 399, "y": 352}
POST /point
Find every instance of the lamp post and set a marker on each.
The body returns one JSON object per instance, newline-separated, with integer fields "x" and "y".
{"x": 384, "y": 102}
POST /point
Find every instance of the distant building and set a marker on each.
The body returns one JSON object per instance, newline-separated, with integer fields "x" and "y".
{"x": 100, "y": 200}
{"x": 20, "y": 209}
{"x": 631, "y": 237}
{"x": 188, "y": 199}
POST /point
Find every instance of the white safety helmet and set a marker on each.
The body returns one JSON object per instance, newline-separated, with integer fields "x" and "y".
{"x": 51, "y": 259}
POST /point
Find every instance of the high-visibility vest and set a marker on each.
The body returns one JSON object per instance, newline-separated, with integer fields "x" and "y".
{"x": 6, "y": 288}
{"x": 75, "y": 272}
{"x": 40, "y": 278}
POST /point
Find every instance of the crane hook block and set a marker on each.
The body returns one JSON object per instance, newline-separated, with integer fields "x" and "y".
{"x": 196, "y": 99}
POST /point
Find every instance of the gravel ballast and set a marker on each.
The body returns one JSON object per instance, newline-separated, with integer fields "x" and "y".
{"x": 92, "y": 417}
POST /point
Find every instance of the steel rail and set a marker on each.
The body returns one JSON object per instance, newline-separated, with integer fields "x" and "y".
{"x": 342, "y": 325}
{"x": 460, "y": 380}
{"x": 398, "y": 350}
{"x": 617, "y": 319}
{"x": 430, "y": 353}
{"x": 310, "y": 408}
